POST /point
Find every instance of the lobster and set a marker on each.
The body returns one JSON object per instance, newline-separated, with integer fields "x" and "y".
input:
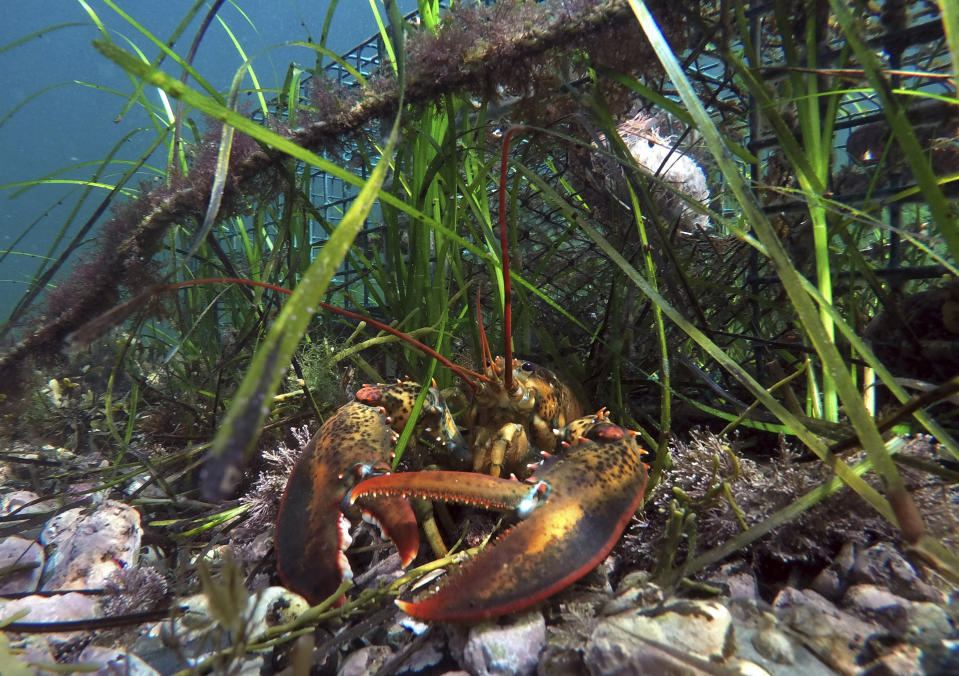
{"x": 571, "y": 508}
{"x": 571, "y": 511}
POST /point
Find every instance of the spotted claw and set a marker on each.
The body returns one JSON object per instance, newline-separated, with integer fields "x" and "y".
{"x": 572, "y": 514}
{"x": 311, "y": 533}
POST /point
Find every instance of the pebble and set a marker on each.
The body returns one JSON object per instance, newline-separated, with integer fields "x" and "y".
{"x": 833, "y": 580}
{"x": 738, "y": 579}
{"x": 701, "y": 629}
{"x": 828, "y": 631}
{"x": 85, "y": 548}
{"x": 904, "y": 619}
{"x": 762, "y": 639}
{"x": 884, "y": 566}
{"x": 56, "y": 608}
{"x": 510, "y": 648}
{"x": 366, "y": 660}
{"x": 901, "y": 660}
{"x": 113, "y": 662}
{"x": 15, "y": 500}
{"x": 272, "y": 606}
{"x": 18, "y": 551}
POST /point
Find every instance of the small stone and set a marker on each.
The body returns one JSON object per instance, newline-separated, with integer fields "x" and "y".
{"x": 833, "y": 580}
{"x": 882, "y": 565}
{"x": 929, "y": 623}
{"x": 365, "y": 661}
{"x": 56, "y": 608}
{"x": 701, "y": 629}
{"x": 427, "y": 656}
{"x": 826, "y": 629}
{"x": 772, "y": 643}
{"x": 634, "y": 591}
{"x": 87, "y": 548}
{"x": 813, "y": 615}
{"x": 113, "y": 662}
{"x": 561, "y": 660}
{"x": 510, "y": 649}
{"x": 910, "y": 620}
{"x": 828, "y": 584}
{"x": 740, "y": 581}
{"x": 18, "y": 551}
{"x": 271, "y": 607}
{"x": 881, "y": 605}
{"x": 902, "y": 660}
{"x": 15, "y": 500}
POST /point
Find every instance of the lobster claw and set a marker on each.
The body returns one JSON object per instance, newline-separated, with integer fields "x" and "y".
{"x": 573, "y": 513}
{"x": 311, "y": 532}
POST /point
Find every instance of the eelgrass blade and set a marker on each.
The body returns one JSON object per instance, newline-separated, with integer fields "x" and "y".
{"x": 943, "y": 211}
{"x": 906, "y": 515}
{"x": 949, "y": 10}
{"x": 240, "y": 429}
{"x": 867, "y": 492}
{"x": 217, "y": 111}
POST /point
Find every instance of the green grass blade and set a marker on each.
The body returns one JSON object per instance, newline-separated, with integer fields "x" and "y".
{"x": 833, "y": 363}
{"x": 943, "y": 211}
{"x": 236, "y": 439}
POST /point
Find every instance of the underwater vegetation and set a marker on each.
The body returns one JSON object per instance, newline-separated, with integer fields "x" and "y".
{"x": 730, "y": 231}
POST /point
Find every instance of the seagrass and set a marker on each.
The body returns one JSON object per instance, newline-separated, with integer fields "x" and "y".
{"x": 260, "y": 170}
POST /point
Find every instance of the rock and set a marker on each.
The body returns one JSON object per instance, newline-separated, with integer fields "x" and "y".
{"x": 428, "y": 655}
{"x": 701, "y": 629}
{"x": 772, "y": 643}
{"x": 511, "y": 648}
{"x": 272, "y": 606}
{"x": 634, "y": 591}
{"x": 833, "y": 580}
{"x": 834, "y": 635}
{"x": 828, "y": 584}
{"x": 56, "y": 608}
{"x": 87, "y": 547}
{"x": 739, "y": 580}
{"x": 883, "y": 566}
{"x": 897, "y": 660}
{"x": 761, "y": 639}
{"x": 365, "y": 661}
{"x": 18, "y": 551}
{"x": 559, "y": 660}
{"x": 193, "y": 625}
{"x": 113, "y": 662}
{"x": 15, "y": 500}
{"x": 941, "y": 658}
{"x": 904, "y": 619}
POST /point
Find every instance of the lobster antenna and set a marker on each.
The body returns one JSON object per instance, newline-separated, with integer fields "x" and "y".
{"x": 91, "y": 330}
{"x": 504, "y": 245}
{"x": 486, "y": 354}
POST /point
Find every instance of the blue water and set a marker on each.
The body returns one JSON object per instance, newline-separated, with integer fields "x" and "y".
{"x": 75, "y": 123}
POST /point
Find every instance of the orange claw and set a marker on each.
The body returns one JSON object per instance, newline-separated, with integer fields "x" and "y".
{"x": 575, "y": 511}
{"x": 310, "y": 531}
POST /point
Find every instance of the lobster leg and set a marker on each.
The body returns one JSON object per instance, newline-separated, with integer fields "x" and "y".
{"x": 574, "y": 512}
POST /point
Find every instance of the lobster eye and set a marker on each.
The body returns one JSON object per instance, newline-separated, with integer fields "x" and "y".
{"x": 528, "y": 366}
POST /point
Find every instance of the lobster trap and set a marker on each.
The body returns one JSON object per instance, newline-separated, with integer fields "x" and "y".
{"x": 583, "y": 304}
